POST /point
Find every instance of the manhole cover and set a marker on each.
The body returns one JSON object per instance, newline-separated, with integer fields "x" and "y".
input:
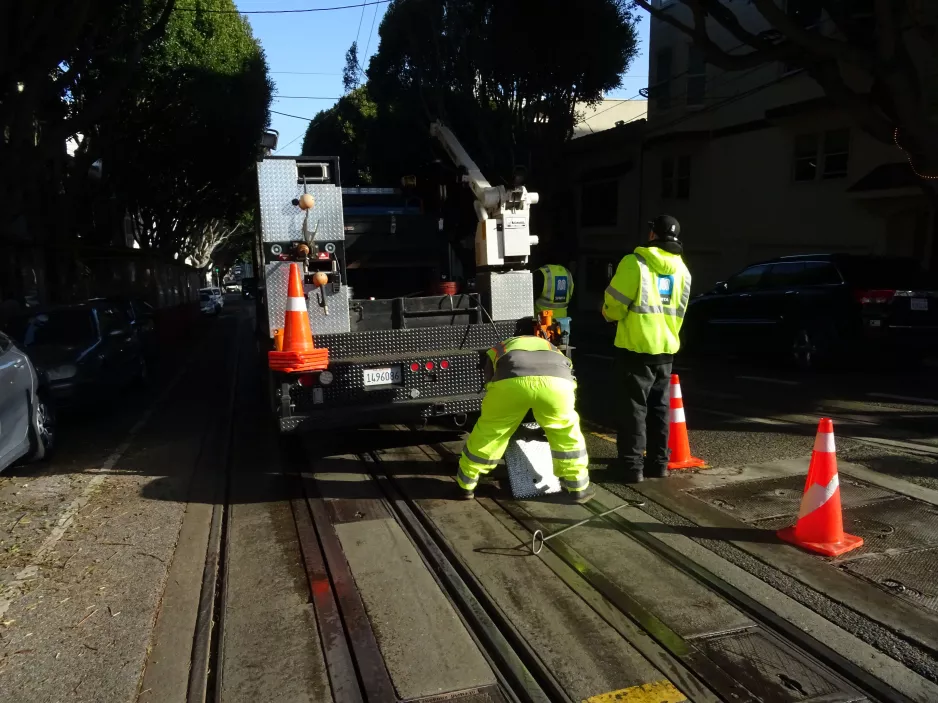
{"x": 910, "y": 576}
{"x": 757, "y": 500}
{"x": 772, "y": 671}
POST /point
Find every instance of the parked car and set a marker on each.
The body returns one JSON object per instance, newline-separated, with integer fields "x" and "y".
{"x": 208, "y": 304}
{"x": 83, "y": 349}
{"x": 141, "y": 315}
{"x": 27, "y": 420}
{"x": 248, "y": 287}
{"x": 812, "y": 308}
{"x": 232, "y": 288}
{"x": 216, "y": 294}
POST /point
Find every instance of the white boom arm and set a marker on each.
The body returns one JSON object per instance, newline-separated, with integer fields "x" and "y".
{"x": 503, "y": 236}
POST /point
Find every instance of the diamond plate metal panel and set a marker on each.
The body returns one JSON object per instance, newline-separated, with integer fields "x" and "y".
{"x": 337, "y": 321}
{"x": 510, "y": 294}
{"x": 377, "y": 343}
{"x": 910, "y": 576}
{"x": 281, "y": 220}
{"x": 773, "y": 672}
{"x": 780, "y": 497}
{"x": 276, "y": 276}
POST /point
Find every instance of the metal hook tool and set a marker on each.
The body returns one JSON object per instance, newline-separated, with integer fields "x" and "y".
{"x": 538, "y": 539}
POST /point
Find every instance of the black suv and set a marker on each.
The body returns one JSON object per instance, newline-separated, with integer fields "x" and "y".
{"x": 811, "y": 307}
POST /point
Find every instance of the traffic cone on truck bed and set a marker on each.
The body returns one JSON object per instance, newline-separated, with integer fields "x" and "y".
{"x": 678, "y": 442}
{"x": 297, "y": 353}
{"x": 820, "y": 525}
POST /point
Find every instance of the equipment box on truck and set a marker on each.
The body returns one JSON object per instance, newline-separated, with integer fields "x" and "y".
{"x": 414, "y": 351}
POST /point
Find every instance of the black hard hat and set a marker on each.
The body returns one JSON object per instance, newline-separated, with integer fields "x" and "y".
{"x": 666, "y": 227}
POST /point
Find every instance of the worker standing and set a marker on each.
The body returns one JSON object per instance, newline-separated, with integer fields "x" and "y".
{"x": 522, "y": 374}
{"x": 647, "y": 299}
{"x": 555, "y": 286}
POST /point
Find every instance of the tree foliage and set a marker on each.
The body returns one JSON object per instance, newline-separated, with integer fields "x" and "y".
{"x": 346, "y": 130}
{"x": 51, "y": 54}
{"x": 180, "y": 149}
{"x": 352, "y": 70}
{"x": 506, "y": 77}
{"x": 876, "y": 58}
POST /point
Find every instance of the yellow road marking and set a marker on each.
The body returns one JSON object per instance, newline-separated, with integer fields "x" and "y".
{"x": 606, "y": 437}
{"x": 657, "y": 692}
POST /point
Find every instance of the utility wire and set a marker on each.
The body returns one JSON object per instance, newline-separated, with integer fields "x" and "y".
{"x": 280, "y": 12}
{"x": 286, "y": 114}
{"x": 304, "y": 97}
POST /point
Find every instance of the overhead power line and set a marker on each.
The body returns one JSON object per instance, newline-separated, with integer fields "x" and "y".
{"x": 282, "y": 12}
{"x": 287, "y": 114}
{"x": 304, "y": 97}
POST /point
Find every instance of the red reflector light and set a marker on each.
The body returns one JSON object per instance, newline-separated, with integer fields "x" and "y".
{"x": 306, "y": 380}
{"x": 875, "y": 297}
{"x": 444, "y": 364}
{"x": 430, "y": 366}
{"x": 415, "y": 366}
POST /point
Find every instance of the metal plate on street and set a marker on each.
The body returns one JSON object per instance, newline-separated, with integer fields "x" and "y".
{"x": 919, "y": 304}
{"x": 387, "y": 376}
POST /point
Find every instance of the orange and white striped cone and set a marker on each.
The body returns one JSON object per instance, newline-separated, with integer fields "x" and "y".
{"x": 678, "y": 442}
{"x": 297, "y": 353}
{"x": 820, "y": 525}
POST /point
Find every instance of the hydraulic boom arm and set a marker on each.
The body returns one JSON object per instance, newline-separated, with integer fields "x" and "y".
{"x": 503, "y": 236}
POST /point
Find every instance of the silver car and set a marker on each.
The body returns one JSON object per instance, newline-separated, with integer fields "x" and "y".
{"x": 27, "y": 425}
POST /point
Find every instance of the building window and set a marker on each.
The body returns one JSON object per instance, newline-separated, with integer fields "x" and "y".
{"x": 662, "y": 92}
{"x": 696, "y": 76}
{"x": 806, "y": 157}
{"x": 599, "y": 204}
{"x": 675, "y": 177}
{"x": 836, "y": 153}
{"x": 811, "y": 161}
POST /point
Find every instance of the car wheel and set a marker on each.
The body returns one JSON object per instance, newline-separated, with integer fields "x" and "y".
{"x": 42, "y": 429}
{"x": 804, "y": 350}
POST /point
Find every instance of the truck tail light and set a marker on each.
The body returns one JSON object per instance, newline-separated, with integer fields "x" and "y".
{"x": 444, "y": 364}
{"x": 874, "y": 297}
{"x": 415, "y": 367}
{"x": 306, "y": 380}
{"x": 429, "y": 366}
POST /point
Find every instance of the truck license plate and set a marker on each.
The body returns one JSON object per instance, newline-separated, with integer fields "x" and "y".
{"x": 383, "y": 377}
{"x": 920, "y": 304}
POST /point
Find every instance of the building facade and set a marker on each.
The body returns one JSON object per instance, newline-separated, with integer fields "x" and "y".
{"x": 757, "y": 163}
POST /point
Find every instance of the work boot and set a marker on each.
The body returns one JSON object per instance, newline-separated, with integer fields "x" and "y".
{"x": 584, "y": 496}
{"x": 632, "y": 476}
{"x": 655, "y": 472}
{"x": 464, "y": 494}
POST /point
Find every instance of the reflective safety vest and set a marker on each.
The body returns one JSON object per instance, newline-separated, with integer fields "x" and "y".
{"x": 528, "y": 356}
{"x": 557, "y": 291}
{"x": 648, "y": 297}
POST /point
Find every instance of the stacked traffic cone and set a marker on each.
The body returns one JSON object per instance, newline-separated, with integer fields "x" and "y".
{"x": 678, "y": 442}
{"x": 297, "y": 353}
{"x": 820, "y": 525}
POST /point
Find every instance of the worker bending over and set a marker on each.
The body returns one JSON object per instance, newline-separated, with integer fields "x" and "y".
{"x": 528, "y": 373}
{"x": 647, "y": 299}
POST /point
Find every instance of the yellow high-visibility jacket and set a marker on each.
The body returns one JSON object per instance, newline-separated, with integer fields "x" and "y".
{"x": 557, "y": 291}
{"x": 648, "y": 298}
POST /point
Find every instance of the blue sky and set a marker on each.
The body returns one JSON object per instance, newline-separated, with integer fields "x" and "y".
{"x": 306, "y": 53}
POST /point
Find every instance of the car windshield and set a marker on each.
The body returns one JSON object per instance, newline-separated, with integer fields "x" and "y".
{"x": 885, "y": 273}
{"x": 57, "y": 327}
{"x": 205, "y": 297}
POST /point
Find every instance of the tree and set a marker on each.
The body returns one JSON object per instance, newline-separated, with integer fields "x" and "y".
{"x": 352, "y": 70}
{"x": 876, "y": 58}
{"x": 179, "y": 151}
{"x": 201, "y": 244}
{"x": 50, "y": 50}
{"x": 505, "y": 76}
{"x": 345, "y": 130}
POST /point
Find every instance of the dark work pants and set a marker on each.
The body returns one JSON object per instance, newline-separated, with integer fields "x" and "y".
{"x": 644, "y": 392}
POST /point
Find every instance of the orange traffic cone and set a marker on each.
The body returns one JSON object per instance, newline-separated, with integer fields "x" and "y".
{"x": 677, "y": 436}
{"x": 820, "y": 526}
{"x": 296, "y": 352}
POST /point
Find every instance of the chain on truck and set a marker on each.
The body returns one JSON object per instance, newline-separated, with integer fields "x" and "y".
{"x": 394, "y": 354}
